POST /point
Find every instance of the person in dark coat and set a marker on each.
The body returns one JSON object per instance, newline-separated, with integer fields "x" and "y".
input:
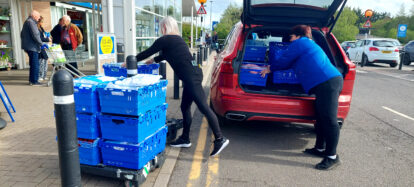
{"x": 31, "y": 43}
{"x": 57, "y": 31}
{"x": 42, "y": 56}
{"x": 318, "y": 76}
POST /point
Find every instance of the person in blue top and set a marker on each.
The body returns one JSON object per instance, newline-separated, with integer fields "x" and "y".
{"x": 318, "y": 76}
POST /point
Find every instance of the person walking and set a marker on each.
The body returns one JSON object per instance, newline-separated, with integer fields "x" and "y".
{"x": 31, "y": 43}
{"x": 42, "y": 55}
{"x": 71, "y": 38}
{"x": 174, "y": 50}
{"x": 318, "y": 76}
{"x": 57, "y": 32}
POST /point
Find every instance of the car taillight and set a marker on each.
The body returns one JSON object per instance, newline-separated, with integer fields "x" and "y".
{"x": 373, "y": 49}
{"x": 397, "y": 50}
{"x": 347, "y": 47}
{"x": 226, "y": 74}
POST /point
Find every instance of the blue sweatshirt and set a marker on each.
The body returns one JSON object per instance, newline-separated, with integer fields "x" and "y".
{"x": 309, "y": 61}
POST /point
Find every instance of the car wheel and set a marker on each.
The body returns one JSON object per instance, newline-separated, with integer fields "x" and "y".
{"x": 406, "y": 59}
{"x": 364, "y": 60}
{"x": 393, "y": 65}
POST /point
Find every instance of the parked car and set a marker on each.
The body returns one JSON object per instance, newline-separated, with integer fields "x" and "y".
{"x": 272, "y": 20}
{"x": 375, "y": 50}
{"x": 408, "y": 55}
{"x": 347, "y": 44}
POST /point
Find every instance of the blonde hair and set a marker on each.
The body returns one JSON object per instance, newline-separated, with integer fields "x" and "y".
{"x": 170, "y": 25}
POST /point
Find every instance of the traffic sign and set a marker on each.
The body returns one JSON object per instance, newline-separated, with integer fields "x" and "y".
{"x": 367, "y": 24}
{"x": 202, "y": 10}
{"x": 402, "y": 30}
{"x": 214, "y": 25}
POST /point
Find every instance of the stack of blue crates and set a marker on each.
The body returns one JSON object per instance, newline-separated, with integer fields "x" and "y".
{"x": 253, "y": 63}
{"x": 281, "y": 76}
{"x": 87, "y": 111}
{"x": 119, "y": 127}
{"x": 116, "y": 69}
{"x": 132, "y": 123}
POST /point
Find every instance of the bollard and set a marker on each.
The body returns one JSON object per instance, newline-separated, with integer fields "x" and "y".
{"x": 201, "y": 55}
{"x": 176, "y": 87}
{"x": 163, "y": 69}
{"x": 205, "y": 54}
{"x": 198, "y": 57}
{"x": 132, "y": 66}
{"x": 402, "y": 56}
{"x": 66, "y": 129}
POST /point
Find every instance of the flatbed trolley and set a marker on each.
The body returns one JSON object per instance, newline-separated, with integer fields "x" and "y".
{"x": 131, "y": 177}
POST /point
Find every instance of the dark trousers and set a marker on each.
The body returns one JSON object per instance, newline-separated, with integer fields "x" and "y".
{"x": 326, "y": 110}
{"x": 34, "y": 66}
{"x": 194, "y": 92}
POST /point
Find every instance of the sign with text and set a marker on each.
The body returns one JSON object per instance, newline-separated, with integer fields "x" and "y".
{"x": 106, "y": 44}
{"x": 402, "y": 30}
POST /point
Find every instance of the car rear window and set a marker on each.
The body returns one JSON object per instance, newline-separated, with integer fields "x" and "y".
{"x": 320, "y": 3}
{"x": 383, "y": 43}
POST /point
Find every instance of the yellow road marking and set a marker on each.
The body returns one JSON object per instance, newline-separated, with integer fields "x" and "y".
{"x": 213, "y": 167}
{"x": 198, "y": 154}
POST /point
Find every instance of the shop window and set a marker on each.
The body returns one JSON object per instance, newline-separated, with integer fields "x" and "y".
{"x": 145, "y": 4}
{"x": 145, "y": 24}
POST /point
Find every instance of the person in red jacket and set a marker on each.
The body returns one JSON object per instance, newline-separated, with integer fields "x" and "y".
{"x": 71, "y": 38}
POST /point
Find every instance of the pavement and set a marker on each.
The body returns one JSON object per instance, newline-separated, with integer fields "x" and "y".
{"x": 28, "y": 149}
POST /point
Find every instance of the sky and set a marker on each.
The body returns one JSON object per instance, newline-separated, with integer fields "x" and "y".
{"x": 392, "y": 6}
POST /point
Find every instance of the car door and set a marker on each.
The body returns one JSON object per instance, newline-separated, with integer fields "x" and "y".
{"x": 354, "y": 50}
{"x": 360, "y": 50}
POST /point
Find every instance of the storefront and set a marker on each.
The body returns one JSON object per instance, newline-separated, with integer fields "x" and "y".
{"x": 134, "y": 22}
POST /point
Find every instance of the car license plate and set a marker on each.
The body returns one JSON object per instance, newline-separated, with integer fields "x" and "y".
{"x": 386, "y": 51}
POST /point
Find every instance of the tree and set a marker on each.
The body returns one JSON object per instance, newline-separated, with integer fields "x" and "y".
{"x": 401, "y": 12}
{"x": 187, "y": 32}
{"x": 229, "y": 18}
{"x": 345, "y": 28}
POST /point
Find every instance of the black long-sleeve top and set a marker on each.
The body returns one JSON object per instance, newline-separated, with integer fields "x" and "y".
{"x": 55, "y": 33}
{"x": 176, "y": 52}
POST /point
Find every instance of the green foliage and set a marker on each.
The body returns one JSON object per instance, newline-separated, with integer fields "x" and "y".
{"x": 186, "y": 34}
{"x": 229, "y": 18}
{"x": 345, "y": 28}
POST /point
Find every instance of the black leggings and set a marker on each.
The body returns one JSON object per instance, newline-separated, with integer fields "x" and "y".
{"x": 326, "y": 110}
{"x": 194, "y": 92}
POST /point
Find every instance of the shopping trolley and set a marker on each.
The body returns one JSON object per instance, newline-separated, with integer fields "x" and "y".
{"x": 61, "y": 59}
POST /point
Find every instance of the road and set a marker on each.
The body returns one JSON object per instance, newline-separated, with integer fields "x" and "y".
{"x": 376, "y": 145}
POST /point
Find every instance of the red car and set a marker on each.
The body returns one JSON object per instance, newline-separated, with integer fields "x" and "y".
{"x": 266, "y": 22}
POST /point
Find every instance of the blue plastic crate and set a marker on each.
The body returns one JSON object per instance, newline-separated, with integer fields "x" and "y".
{"x": 154, "y": 69}
{"x": 276, "y": 49}
{"x": 134, "y": 102}
{"x": 250, "y": 74}
{"x": 133, "y": 129}
{"x": 85, "y": 94}
{"x": 115, "y": 70}
{"x": 285, "y": 77}
{"x": 89, "y": 152}
{"x": 87, "y": 126}
{"x": 255, "y": 53}
{"x": 133, "y": 156}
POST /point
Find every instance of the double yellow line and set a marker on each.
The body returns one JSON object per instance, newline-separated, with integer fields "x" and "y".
{"x": 213, "y": 162}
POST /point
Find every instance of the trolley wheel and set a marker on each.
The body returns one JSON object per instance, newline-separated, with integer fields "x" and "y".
{"x": 129, "y": 183}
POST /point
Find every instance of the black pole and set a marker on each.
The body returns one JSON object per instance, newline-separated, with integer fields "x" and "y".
{"x": 163, "y": 70}
{"x": 176, "y": 87}
{"x": 132, "y": 66}
{"x": 66, "y": 129}
{"x": 402, "y": 56}
{"x": 198, "y": 57}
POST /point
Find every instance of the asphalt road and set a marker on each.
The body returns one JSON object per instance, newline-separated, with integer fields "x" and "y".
{"x": 376, "y": 145}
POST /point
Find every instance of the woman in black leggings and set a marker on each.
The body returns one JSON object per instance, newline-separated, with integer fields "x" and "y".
{"x": 174, "y": 50}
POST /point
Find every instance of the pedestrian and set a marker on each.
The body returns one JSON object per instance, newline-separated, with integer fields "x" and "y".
{"x": 42, "y": 55}
{"x": 174, "y": 50}
{"x": 31, "y": 43}
{"x": 71, "y": 38}
{"x": 57, "y": 32}
{"x": 317, "y": 76}
{"x": 215, "y": 41}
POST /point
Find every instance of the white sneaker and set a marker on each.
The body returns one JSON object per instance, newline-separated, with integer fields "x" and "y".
{"x": 40, "y": 79}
